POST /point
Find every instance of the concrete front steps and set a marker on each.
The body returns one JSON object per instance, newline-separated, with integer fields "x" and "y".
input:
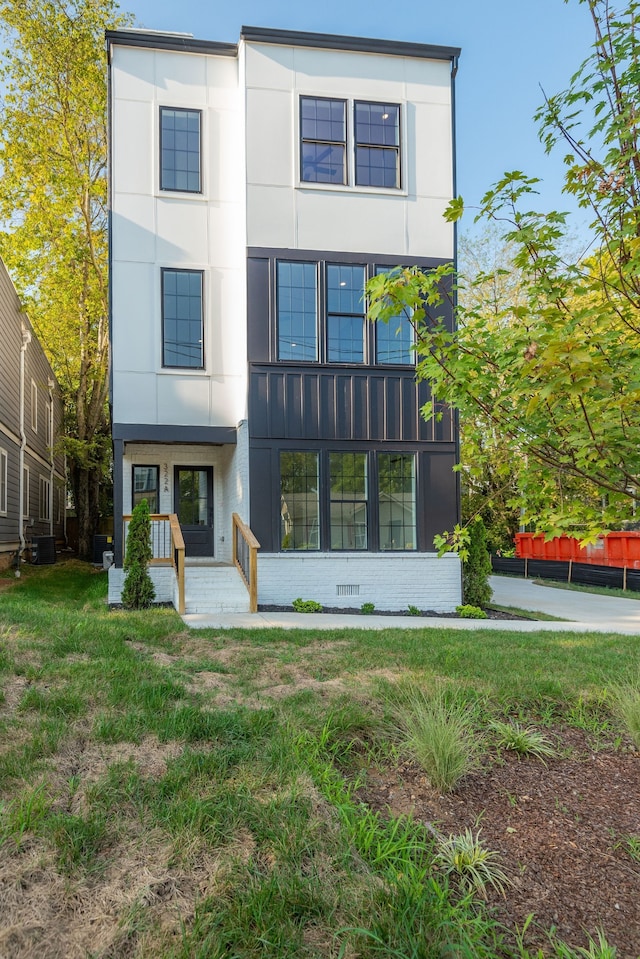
{"x": 214, "y": 589}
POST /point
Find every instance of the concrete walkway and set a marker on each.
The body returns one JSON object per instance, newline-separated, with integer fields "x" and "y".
{"x": 584, "y": 612}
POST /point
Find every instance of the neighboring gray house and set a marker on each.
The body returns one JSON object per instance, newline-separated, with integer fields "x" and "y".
{"x": 32, "y": 481}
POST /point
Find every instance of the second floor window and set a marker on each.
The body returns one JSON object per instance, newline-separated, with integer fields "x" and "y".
{"x": 182, "y": 319}
{"x": 34, "y": 407}
{"x": 345, "y": 313}
{"x": 297, "y": 297}
{"x": 180, "y": 154}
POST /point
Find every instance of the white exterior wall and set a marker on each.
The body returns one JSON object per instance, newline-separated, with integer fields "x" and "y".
{"x": 153, "y": 229}
{"x": 283, "y": 212}
{"x": 391, "y": 582}
{"x": 230, "y": 480}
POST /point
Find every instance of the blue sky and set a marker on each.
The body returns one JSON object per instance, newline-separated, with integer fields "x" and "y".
{"x": 510, "y": 50}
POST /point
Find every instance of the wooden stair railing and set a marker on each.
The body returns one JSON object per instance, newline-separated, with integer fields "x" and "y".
{"x": 245, "y": 558}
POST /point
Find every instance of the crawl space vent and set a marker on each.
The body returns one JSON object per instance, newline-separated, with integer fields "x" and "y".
{"x": 348, "y": 590}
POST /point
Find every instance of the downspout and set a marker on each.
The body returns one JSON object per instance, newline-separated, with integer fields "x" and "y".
{"x": 26, "y": 339}
{"x": 51, "y": 462}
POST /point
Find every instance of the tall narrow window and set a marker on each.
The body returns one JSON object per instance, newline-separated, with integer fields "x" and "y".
{"x": 345, "y": 314}
{"x": 182, "y": 319}
{"x": 397, "y": 500}
{"x": 296, "y": 299}
{"x": 26, "y": 499}
{"x": 394, "y": 339}
{"x": 348, "y": 507}
{"x": 44, "y": 499}
{"x": 34, "y": 407}
{"x": 299, "y": 501}
{"x": 323, "y": 140}
{"x": 377, "y": 144}
{"x": 146, "y": 485}
{"x": 3, "y": 481}
{"x": 180, "y": 155}
{"x": 47, "y": 423}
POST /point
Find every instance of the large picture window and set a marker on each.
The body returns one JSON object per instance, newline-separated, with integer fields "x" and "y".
{"x": 180, "y": 154}
{"x": 345, "y": 313}
{"x": 146, "y": 485}
{"x": 323, "y": 146}
{"x": 182, "y": 319}
{"x": 299, "y": 501}
{"x": 348, "y": 500}
{"x": 397, "y": 501}
{"x": 377, "y": 144}
{"x": 297, "y": 298}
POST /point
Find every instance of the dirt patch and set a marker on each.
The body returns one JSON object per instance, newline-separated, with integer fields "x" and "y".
{"x": 559, "y": 832}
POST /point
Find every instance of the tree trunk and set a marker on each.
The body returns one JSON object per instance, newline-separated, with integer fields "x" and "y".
{"x": 85, "y": 484}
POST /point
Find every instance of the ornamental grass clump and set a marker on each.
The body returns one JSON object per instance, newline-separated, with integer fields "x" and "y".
{"x": 438, "y": 734}
{"x": 523, "y": 740}
{"x": 138, "y": 591}
{"x": 625, "y": 699}
{"x": 470, "y": 863}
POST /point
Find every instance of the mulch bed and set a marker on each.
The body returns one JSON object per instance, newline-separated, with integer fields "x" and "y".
{"x": 491, "y": 613}
{"x": 559, "y": 831}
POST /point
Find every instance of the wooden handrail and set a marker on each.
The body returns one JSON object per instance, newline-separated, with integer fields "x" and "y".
{"x": 177, "y": 543}
{"x": 245, "y": 558}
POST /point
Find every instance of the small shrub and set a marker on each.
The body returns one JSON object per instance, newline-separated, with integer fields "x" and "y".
{"x": 626, "y": 704}
{"x": 306, "y": 606}
{"x": 524, "y": 740}
{"x": 138, "y": 591}
{"x": 367, "y": 608}
{"x": 470, "y": 612}
{"x": 476, "y": 569}
{"x": 414, "y": 611}
{"x": 439, "y": 736}
{"x": 473, "y": 866}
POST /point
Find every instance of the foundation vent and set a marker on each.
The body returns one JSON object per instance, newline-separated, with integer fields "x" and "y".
{"x": 348, "y": 590}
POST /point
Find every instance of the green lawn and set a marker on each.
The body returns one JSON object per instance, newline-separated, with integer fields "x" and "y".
{"x": 173, "y": 793}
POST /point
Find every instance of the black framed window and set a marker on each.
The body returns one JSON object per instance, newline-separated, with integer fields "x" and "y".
{"x": 397, "y": 501}
{"x": 348, "y": 500}
{"x": 146, "y": 485}
{"x": 297, "y": 309}
{"x": 182, "y": 319}
{"x": 180, "y": 150}
{"x": 377, "y": 144}
{"x": 323, "y": 140}
{"x": 345, "y": 313}
{"x": 299, "y": 501}
{"x": 394, "y": 339}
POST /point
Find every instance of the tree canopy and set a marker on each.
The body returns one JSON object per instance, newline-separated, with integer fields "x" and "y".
{"x": 53, "y": 157}
{"x": 552, "y": 366}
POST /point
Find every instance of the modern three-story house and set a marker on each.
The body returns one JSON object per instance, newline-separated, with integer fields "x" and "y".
{"x": 255, "y": 187}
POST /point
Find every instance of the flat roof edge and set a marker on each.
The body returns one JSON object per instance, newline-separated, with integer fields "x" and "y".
{"x": 333, "y": 41}
{"x": 298, "y": 38}
{"x": 169, "y": 41}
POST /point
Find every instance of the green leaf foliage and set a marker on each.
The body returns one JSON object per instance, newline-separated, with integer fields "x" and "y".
{"x": 53, "y": 212}
{"x": 544, "y": 366}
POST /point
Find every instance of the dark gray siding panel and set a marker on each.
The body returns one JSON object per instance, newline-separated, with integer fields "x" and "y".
{"x": 437, "y": 496}
{"x": 258, "y": 309}
{"x": 265, "y": 497}
{"x": 289, "y": 403}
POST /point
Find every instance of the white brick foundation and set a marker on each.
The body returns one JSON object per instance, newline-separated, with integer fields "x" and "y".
{"x": 348, "y": 580}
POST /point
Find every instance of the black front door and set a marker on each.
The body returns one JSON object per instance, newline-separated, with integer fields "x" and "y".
{"x": 193, "y": 496}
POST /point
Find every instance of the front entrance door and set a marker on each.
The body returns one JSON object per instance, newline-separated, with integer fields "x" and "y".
{"x": 193, "y": 497}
